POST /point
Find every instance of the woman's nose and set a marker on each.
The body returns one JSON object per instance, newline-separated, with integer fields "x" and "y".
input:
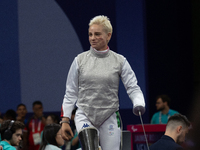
{"x": 92, "y": 37}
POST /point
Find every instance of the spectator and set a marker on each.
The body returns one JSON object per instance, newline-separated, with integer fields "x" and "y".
{"x": 35, "y": 126}
{"x": 176, "y": 130}
{"x": 52, "y": 139}
{"x": 21, "y": 113}
{"x": 10, "y": 115}
{"x": 164, "y": 111}
{"x": 52, "y": 118}
{"x": 11, "y": 132}
{"x": 21, "y": 116}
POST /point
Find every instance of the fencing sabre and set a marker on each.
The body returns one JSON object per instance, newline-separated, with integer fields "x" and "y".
{"x": 143, "y": 129}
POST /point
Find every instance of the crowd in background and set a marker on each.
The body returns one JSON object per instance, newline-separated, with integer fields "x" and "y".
{"x": 32, "y": 138}
{"x": 38, "y": 126}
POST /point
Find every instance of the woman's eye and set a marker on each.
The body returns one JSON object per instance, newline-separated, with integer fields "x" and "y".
{"x": 97, "y": 34}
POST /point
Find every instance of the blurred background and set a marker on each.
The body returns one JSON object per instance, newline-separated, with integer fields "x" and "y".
{"x": 39, "y": 40}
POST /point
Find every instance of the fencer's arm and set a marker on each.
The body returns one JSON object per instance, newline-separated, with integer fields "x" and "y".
{"x": 69, "y": 100}
{"x": 133, "y": 90}
{"x": 71, "y": 93}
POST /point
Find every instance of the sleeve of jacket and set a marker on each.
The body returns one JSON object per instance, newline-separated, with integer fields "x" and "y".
{"x": 71, "y": 93}
{"x": 130, "y": 82}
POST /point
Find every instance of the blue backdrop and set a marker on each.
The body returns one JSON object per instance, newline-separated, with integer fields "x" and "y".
{"x": 39, "y": 40}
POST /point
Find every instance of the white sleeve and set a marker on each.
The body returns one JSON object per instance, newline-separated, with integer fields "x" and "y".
{"x": 71, "y": 93}
{"x": 130, "y": 82}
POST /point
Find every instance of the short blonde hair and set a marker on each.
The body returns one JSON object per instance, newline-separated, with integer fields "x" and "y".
{"x": 102, "y": 20}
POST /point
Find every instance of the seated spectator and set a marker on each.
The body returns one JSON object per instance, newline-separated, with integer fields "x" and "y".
{"x": 51, "y": 139}
{"x": 176, "y": 130}
{"x": 164, "y": 111}
{"x": 11, "y": 132}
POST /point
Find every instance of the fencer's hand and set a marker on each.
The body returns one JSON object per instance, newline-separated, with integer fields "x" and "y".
{"x": 66, "y": 132}
{"x": 138, "y": 109}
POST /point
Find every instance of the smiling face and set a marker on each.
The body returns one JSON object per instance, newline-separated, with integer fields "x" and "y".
{"x": 98, "y": 38}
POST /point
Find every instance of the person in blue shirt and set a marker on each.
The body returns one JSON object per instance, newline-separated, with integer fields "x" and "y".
{"x": 164, "y": 111}
{"x": 11, "y": 132}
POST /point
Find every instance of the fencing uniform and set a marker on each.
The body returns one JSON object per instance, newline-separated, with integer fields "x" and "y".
{"x": 93, "y": 82}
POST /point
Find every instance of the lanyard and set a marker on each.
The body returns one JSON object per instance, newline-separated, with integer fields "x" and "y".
{"x": 33, "y": 126}
{"x": 160, "y": 117}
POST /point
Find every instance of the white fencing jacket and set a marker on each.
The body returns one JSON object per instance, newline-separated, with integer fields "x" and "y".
{"x": 93, "y": 83}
